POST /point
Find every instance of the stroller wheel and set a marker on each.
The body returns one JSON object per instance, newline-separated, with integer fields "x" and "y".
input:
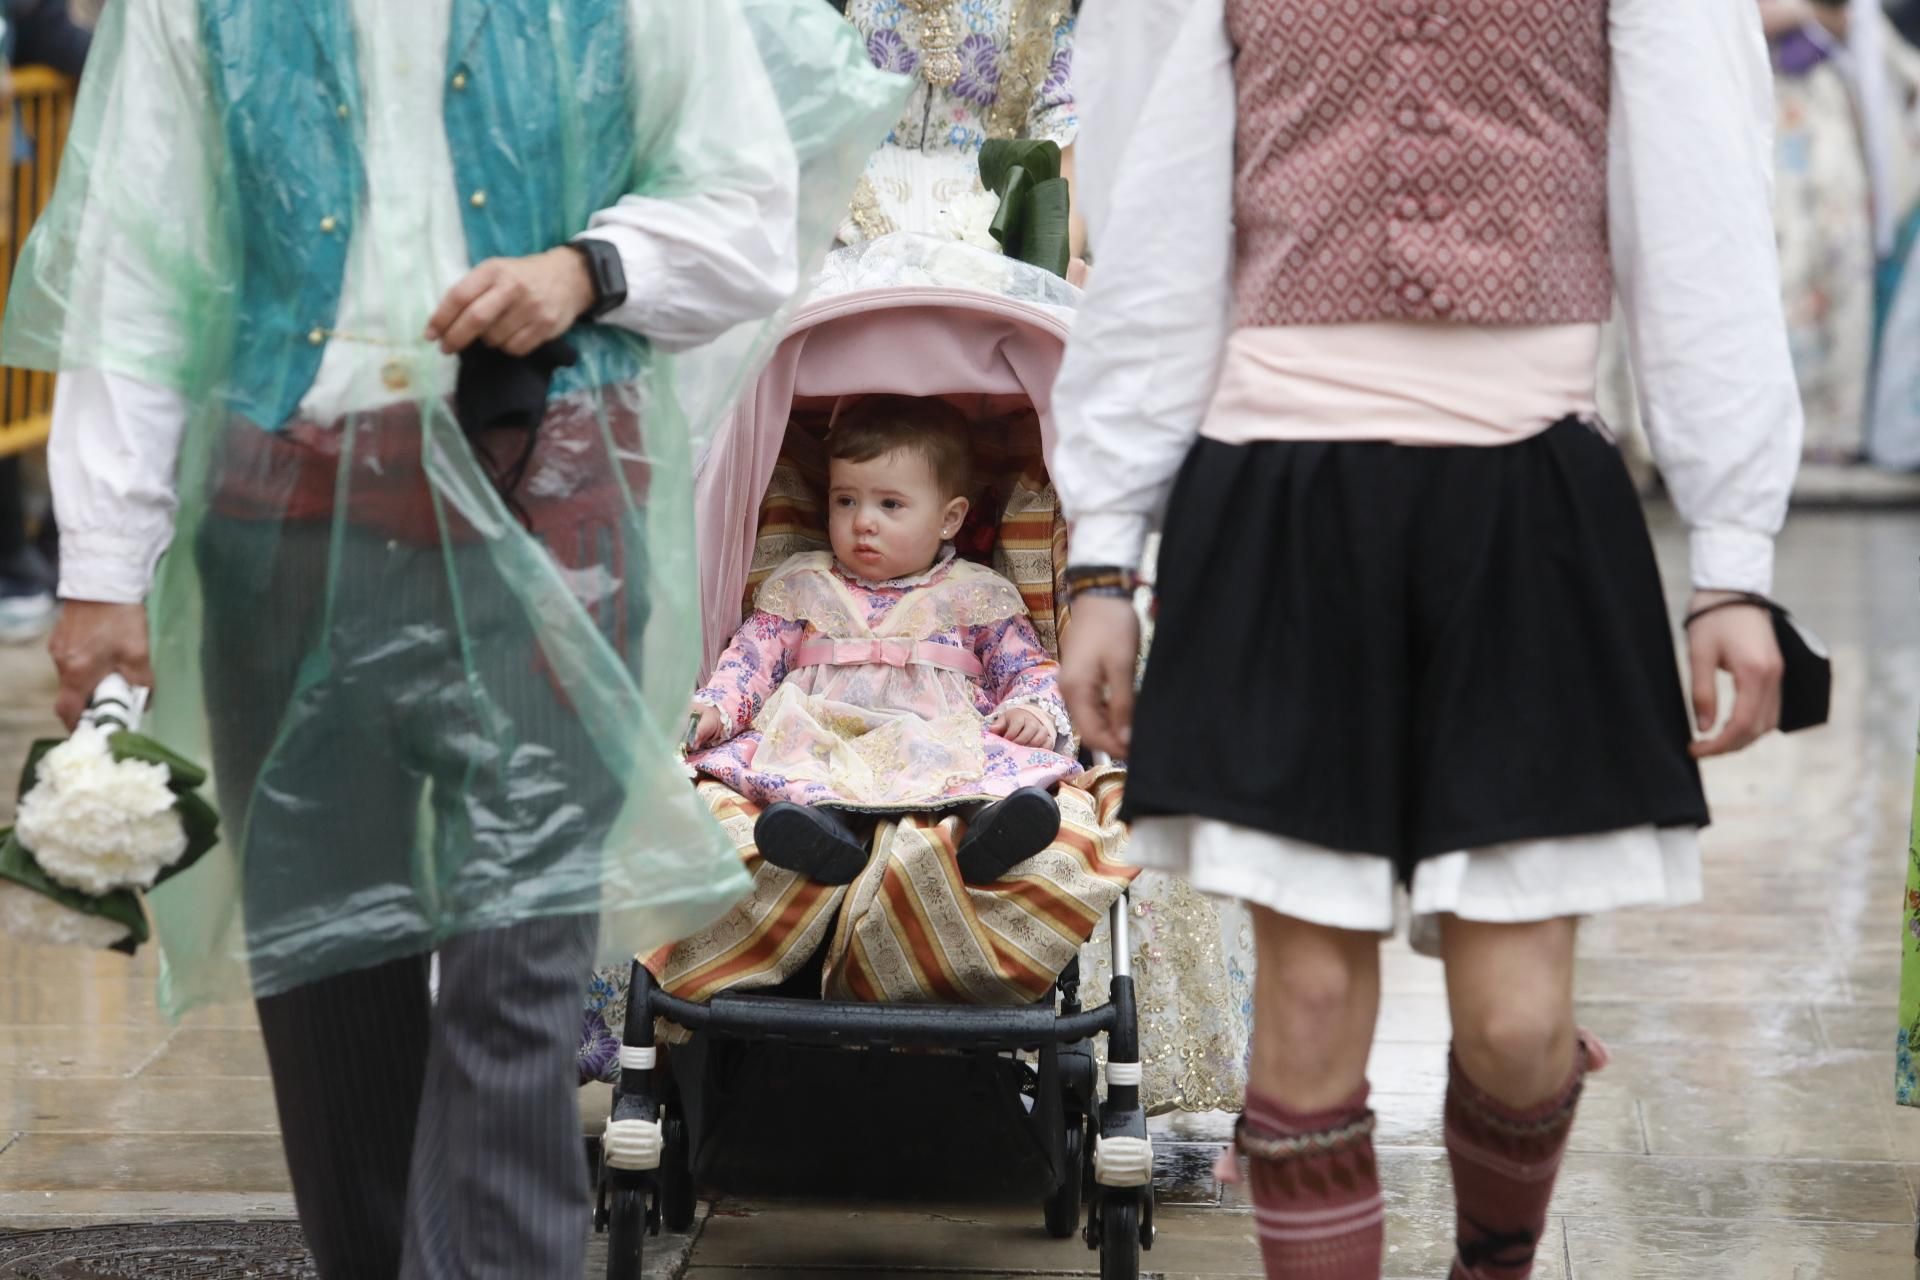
{"x": 1063, "y": 1206}
{"x": 676, "y": 1175}
{"x": 1120, "y": 1238}
{"x": 626, "y": 1230}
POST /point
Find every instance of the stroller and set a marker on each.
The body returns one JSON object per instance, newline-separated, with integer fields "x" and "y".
{"x": 957, "y": 1099}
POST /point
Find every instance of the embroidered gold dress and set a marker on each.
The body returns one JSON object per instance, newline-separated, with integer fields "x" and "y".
{"x": 981, "y": 69}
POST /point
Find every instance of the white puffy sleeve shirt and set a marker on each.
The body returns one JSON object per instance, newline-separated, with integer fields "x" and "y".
{"x": 1690, "y": 206}
{"x": 696, "y": 264}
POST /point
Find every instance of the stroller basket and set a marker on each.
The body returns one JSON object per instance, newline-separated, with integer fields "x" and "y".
{"x": 649, "y": 1154}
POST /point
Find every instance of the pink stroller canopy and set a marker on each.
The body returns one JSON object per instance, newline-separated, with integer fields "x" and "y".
{"x": 915, "y": 341}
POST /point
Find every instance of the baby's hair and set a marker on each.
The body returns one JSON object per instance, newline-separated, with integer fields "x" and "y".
{"x": 877, "y": 425}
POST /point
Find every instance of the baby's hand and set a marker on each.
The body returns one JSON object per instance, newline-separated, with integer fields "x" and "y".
{"x": 708, "y": 731}
{"x": 1022, "y": 726}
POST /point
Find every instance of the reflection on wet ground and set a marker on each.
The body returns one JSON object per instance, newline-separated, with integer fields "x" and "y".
{"x": 1745, "y": 1129}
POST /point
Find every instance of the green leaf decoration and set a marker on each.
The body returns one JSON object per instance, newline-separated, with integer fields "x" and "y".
{"x": 1033, "y": 219}
{"x": 202, "y": 827}
{"x": 185, "y": 775}
{"x": 30, "y": 772}
{"x": 1001, "y": 156}
{"x": 1009, "y": 220}
{"x": 121, "y": 906}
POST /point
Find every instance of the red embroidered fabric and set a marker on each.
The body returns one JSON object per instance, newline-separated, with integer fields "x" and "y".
{"x": 1421, "y": 160}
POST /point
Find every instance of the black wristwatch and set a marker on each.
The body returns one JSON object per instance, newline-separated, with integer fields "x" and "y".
{"x": 604, "y": 269}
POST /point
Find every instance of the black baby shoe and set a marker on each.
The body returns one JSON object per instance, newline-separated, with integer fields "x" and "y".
{"x": 1007, "y": 833}
{"x": 812, "y": 842}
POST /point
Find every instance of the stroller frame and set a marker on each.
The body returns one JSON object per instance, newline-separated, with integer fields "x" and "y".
{"x": 1068, "y": 1113}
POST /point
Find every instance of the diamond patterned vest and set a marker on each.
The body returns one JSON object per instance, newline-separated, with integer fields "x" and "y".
{"x": 1421, "y": 160}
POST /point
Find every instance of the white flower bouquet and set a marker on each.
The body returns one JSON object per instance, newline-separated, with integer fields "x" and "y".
{"x": 103, "y": 816}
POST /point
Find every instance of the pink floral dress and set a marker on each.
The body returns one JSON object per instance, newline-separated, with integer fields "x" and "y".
{"x": 877, "y": 696}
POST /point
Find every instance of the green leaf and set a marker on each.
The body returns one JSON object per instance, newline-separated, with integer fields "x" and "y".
{"x": 185, "y": 775}
{"x": 999, "y": 157}
{"x": 122, "y": 906}
{"x": 202, "y": 826}
{"x": 1008, "y": 218}
{"x": 1033, "y": 219}
{"x": 1046, "y": 240}
{"x": 30, "y": 772}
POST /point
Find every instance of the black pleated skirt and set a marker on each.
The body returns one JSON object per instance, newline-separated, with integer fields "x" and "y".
{"x": 1412, "y": 651}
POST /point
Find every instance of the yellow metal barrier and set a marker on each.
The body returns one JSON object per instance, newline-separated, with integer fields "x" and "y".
{"x": 43, "y": 105}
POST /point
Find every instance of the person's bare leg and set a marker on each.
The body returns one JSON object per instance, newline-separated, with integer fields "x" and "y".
{"x": 1316, "y": 996}
{"x": 1513, "y": 1083}
{"x": 1306, "y": 1131}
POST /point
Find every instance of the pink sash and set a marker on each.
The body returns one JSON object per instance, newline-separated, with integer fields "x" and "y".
{"x": 888, "y": 653}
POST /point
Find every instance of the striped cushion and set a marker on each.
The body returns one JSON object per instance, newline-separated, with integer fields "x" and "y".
{"x": 1030, "y": 548}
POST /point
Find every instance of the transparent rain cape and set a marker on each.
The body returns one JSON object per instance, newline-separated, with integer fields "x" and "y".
{"x": 429, "y": 709}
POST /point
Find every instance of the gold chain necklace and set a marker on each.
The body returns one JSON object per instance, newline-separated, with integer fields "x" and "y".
{"x": 396, "y": 374}
{"x": 939, "y": 41}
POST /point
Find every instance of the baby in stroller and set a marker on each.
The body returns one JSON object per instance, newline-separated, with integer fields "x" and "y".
{"x": 889, "y": 675}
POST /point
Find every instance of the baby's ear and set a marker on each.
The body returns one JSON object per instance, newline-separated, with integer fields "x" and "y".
{"x": 957, "y": 512}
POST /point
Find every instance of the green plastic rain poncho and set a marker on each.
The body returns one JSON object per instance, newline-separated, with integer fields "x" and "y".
{"x": 435, "y": 700}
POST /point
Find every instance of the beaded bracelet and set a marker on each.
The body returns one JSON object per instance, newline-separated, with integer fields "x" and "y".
{"x": 1101, "y": 580}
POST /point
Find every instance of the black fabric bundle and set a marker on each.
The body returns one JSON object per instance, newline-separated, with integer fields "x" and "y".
{"x": 497, "y": 392}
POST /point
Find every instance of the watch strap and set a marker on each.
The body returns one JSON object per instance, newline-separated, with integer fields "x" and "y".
{"x": 606, "y": 272}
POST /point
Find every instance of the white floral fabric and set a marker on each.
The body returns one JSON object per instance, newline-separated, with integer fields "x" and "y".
{"x": 955, "y": 118}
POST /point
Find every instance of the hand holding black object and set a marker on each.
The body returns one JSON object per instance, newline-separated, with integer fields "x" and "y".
{"x": 498, "y": 392}
{"x": 1805, "y": 675}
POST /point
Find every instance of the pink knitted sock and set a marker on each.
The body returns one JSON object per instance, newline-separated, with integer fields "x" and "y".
{"x": 1505, "y": 1160}
{"x": 1316, "y": 1189}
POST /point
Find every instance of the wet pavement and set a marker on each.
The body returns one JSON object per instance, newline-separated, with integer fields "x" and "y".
{"x": 1745, "y": 1129}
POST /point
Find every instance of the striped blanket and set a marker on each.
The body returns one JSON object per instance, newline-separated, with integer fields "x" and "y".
{"x": 909, "y": 930}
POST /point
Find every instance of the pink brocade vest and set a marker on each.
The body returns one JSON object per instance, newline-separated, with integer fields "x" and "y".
{"x": 1421, "y": 160}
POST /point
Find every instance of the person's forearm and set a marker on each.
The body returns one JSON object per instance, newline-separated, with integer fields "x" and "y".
{"x": 1691, "y": 162}
{"x": 111, "y": 458}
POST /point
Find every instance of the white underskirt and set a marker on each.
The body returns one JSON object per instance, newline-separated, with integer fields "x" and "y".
{"x": 1514, "y": 883}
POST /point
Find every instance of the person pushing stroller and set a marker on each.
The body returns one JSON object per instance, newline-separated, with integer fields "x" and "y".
{"x": 889, "y": 675}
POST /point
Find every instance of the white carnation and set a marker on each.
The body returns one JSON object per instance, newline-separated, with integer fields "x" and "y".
{"x": 969, "y": 219}
{"x": 27, "y": 916}
{"x": 96, "y": 824}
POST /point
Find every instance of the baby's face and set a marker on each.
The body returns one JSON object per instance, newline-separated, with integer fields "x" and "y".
{"x": 887, "y": 517}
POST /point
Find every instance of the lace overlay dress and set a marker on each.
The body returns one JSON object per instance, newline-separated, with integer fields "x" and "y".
{"x": 876, "y": 696}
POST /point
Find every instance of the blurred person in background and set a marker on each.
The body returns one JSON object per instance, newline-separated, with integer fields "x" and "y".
{"x": 1846, "y": 180}
{"x": 38, "y": 33}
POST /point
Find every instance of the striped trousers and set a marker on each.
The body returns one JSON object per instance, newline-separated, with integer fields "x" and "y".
{"x": 440, "y": 1139}
{"x": 358, "y": 681}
